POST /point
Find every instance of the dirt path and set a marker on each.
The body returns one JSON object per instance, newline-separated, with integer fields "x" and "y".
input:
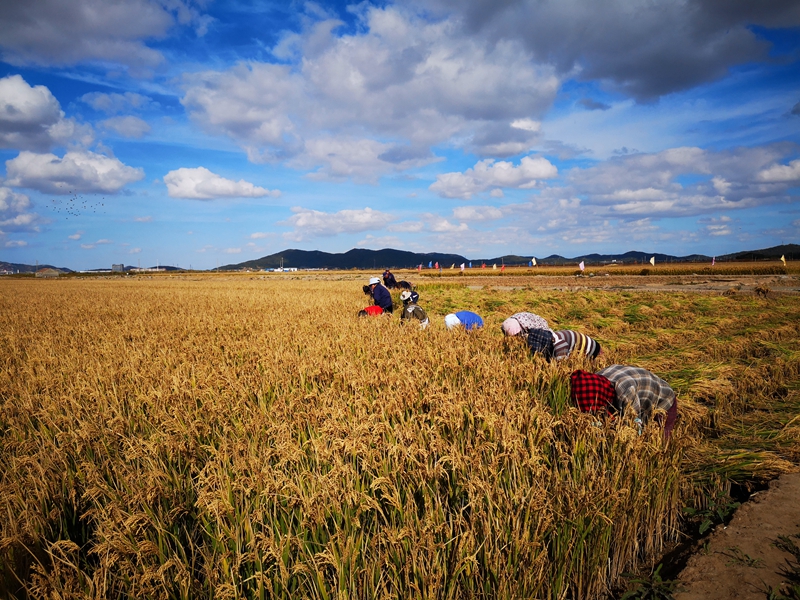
{"x": 741, "y": 561}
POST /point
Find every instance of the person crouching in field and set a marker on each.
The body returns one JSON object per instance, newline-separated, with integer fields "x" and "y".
{"x": 388, "y": 279}
{"x": 411, "y": 310}
{"x": 622, "y": 388}
{"x": 521, "y": 323}
{"x": 371, "y": 311}
{"x": 468, "y": 319}
{"x": 380, "y": 295}
{"x": 561, "y": 344}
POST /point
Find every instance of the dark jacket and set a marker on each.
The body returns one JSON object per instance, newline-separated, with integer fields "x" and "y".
{"x": 382, "y": 297}
{"x": 389, "y": 280}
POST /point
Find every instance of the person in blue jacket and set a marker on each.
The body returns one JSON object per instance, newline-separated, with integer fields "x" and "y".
{"x": 380, "y": 295}
{"x": 468, "y": 319}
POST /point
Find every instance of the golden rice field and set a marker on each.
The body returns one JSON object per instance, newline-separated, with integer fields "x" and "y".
{"x": 249, "y": 437}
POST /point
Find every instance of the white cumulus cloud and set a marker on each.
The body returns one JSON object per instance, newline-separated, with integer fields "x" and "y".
{"x": 309, "y": 223}
{"x": 201, "y": 184}
{"x": 494, "y": 174}
{"x": 441, "y": 225}
{"x": 781, "y": 173}
{"x": 643, "y": 48}
{"x": 14, "y": 213}
{"x": 477, "y": 213}
{"x": 54, "y": 32}
{"x": 398, "y": 77}
{"x": 651, "y": 184}
{"x": 77, "y": 171}
{"x": 31, "y": 118}
{"x": 717, "y": 226}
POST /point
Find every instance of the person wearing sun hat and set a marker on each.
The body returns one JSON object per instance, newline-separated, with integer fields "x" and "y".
{"x": 522, "y": 322}
{"x": 468, "y": 319}
{"x": 411, "y": 310}
{"x": 380, "y": 295}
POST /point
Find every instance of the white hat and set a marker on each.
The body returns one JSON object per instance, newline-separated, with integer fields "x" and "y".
{"x": 374, "y": 280}
{"x": 405, "y": 295}
{"x": 451, "y": 321}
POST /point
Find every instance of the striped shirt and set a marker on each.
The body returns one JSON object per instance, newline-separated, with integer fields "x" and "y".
{"x": 530, "y": 321}
{"x": 639, "y": 390}
{"x": 567, "y": 342}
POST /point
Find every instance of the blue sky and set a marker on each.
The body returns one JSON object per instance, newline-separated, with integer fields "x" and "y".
{"x": 206, "y": 133}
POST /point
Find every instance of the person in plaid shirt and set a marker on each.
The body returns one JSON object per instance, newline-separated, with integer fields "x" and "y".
{"x": 521, "y": 323}
{"x": 541, "y": 341}
{"x": 642, "y": 392}
{"x": 592, "y": 393}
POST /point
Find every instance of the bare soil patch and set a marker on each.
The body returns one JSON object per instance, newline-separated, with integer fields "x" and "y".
{"x": 741, "y": 561}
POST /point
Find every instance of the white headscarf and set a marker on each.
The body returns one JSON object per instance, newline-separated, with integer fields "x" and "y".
{"x": 451, "y": 321}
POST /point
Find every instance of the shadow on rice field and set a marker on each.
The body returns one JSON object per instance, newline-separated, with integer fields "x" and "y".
{"x": 253, "y": 438}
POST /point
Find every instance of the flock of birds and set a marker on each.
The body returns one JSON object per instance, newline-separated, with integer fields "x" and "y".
{"x": 75, "y": 205}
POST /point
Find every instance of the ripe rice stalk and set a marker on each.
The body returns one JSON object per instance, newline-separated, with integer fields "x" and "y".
{"x": 177, "y": 438}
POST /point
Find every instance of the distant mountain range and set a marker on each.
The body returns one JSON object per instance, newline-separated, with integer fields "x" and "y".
{"x": 23, "y": 268}
{"x": 359, "y": 258}
{"x": 400, "y": 259}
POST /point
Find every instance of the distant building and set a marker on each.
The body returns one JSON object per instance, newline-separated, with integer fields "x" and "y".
{"x": 117, "y": 268}
{"x": 48, "y": 273}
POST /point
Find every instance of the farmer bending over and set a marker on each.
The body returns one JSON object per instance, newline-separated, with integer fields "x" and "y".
{"x": 626, "y": 388}
{"x": 561, "y": 344}
{"x": 521, "y": 323}
{"x": 411, "y": 310}
{"x": 468, "y": 319}
{"x": 388, "y": 279}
